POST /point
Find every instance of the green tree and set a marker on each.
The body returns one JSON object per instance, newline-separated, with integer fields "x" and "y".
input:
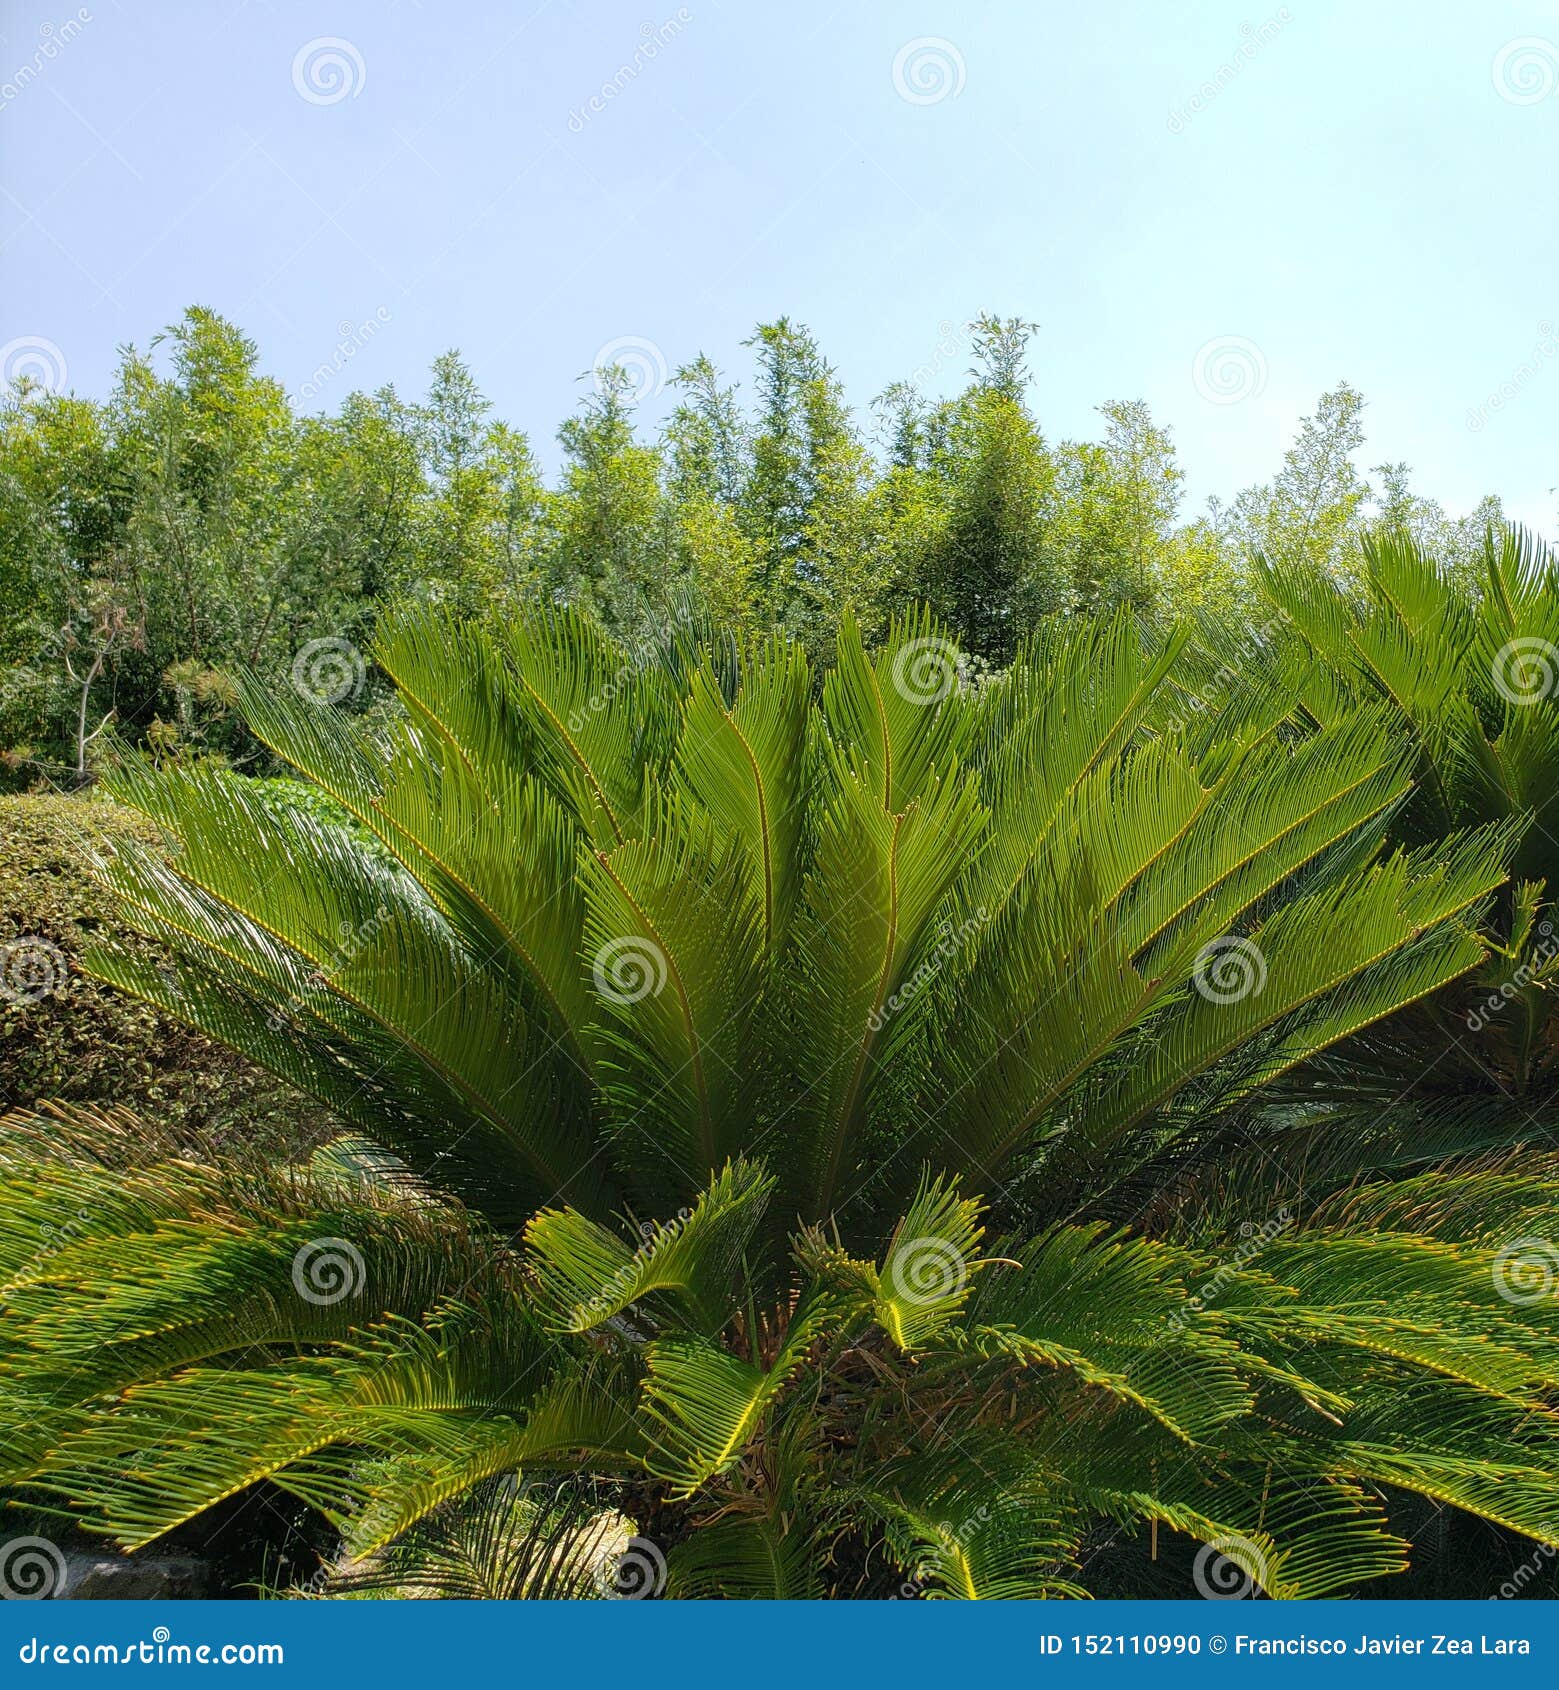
{"x": 1458, "y": 544}
{"x": 482, "y": 524}
{"x": 604, "y": 518}
{"x": 1203, "y": 571}
{"x": 1310, "y": 511}
{"x": 704, "y": 451}
{"x": 369, "y": 493}
{"x": 208, "y": 554}
{"x": 806, "y": 481}
{"x": 58, "y": 531}
{"x": 988, "y": 572}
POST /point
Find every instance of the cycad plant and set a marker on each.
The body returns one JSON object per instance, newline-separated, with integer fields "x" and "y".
{"x": 1465, "y": 668}
{"x": 760, "y": 1096}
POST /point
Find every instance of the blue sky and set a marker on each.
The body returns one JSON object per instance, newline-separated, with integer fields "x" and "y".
{"x": 1222, "y": 209}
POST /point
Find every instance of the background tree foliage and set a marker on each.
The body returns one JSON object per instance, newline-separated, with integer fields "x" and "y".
{"x": 196, "y": 520}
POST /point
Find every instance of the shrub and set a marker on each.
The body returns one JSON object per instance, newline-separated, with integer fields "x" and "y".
{"x": 83, "y": 1042}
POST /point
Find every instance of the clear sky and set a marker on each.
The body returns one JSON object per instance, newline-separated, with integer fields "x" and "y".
{"x": 1359, "y": 191}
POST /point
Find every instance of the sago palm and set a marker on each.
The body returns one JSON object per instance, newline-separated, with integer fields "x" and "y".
{"x": 761, "y": 1097}
{"x": 1466, "y": 669}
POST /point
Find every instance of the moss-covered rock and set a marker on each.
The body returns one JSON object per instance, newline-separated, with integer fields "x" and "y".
{"x": 66, "y": 1035}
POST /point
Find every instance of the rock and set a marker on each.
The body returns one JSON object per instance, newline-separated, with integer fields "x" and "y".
{"x": 141, "y": 1578}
